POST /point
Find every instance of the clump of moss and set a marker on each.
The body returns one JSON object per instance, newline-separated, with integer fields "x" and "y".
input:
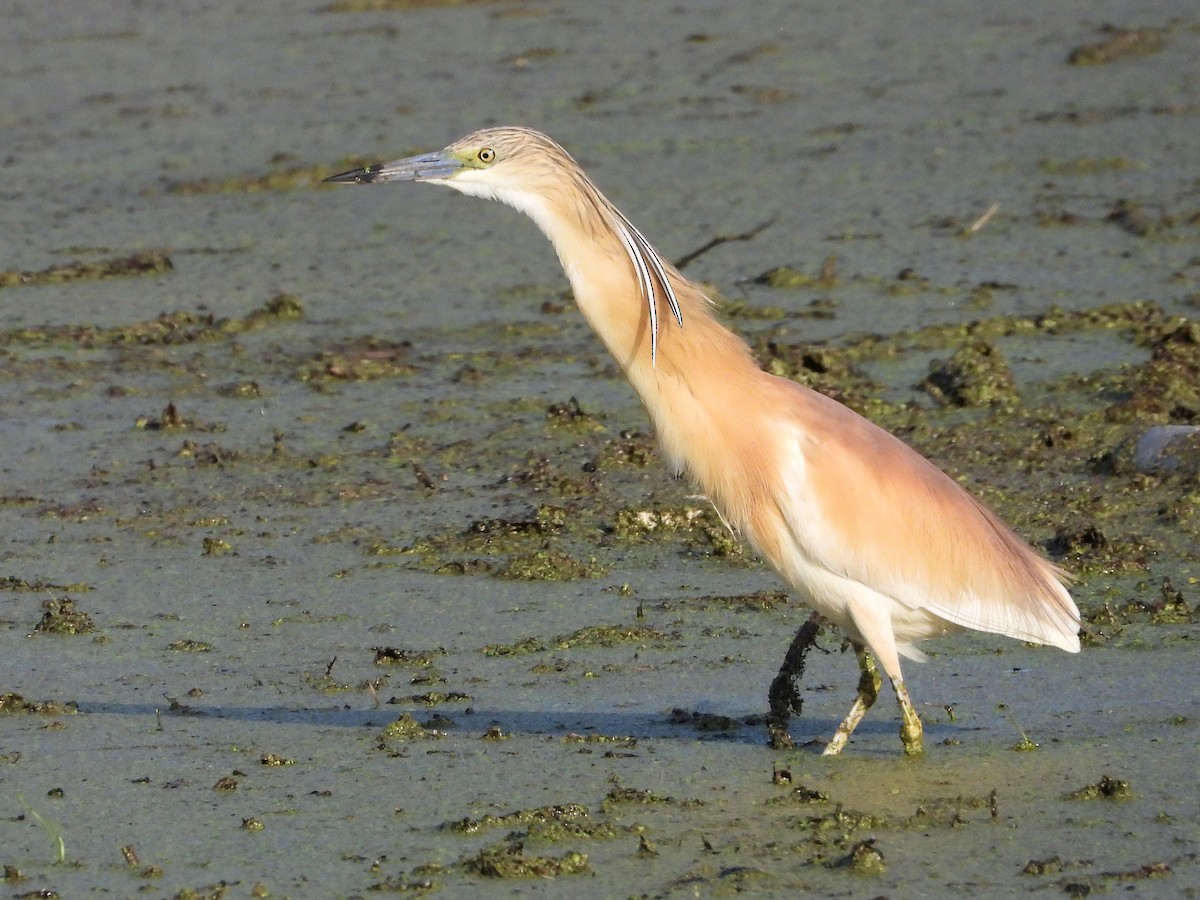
{"x": 13, "y": 704}
{"x": 148, "y": 262}
{"x": 433, "y": 698}
{"x": 1088, "y": 548}
{"x": 406, "y": 729}
{"x": 1106, "y": 788}
{"x": 396, "y": 656}
{"x": 365, "y": 360}
{"x": 791, "y": 277}
{"x": 591, "y": 636}
{"x": 635, "y": 521}
{"x": 571, "y": 415}
{"x": 509, "y": 861}
{"x": 280, "y": 308}
{"x": 842, "y": 821}
{"x": 863, "y": 858}
{"x": 702, "y": 523}
{"x": 1169, "y": 608}
{"x": 549, "y": 564}
{"x": 976, "y": 375}
{"x": 558, "y": 813}
{"x": 1118, "y": 43}
{"x": 619, "y": 796}
{"x": 60, "y": 616}
{"x": 187, "y": 645}
{"x": 1166, "y": 388}
{"x": 168, "y": 329}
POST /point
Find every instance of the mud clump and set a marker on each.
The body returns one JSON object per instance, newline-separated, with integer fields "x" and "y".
{"x": 150, "y": 262}
{"x": 976, "y": 375}
{"x": 1118, "y": 43}
{"x": 1166, "y": 389}
{"x": 62, "y": 617}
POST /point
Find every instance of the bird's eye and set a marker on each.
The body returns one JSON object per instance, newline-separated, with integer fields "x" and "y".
{"x": 487, "y": 155}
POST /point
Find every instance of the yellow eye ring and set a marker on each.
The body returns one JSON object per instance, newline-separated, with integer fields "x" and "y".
{"x": 487, "y": 155}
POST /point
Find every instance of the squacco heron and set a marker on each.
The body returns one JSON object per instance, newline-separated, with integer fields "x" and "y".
{"x": 868, "y": 532}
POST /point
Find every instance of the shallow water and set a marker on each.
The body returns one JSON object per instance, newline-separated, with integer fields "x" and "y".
{"x": 318, "y": 473}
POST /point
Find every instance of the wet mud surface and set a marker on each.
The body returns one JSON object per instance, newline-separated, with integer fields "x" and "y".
{"x": 339, "y": 559}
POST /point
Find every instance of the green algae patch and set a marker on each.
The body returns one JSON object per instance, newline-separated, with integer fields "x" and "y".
{"x": 1168, "y": 608}
{"x": 1116, "y": 44}
{"x": 706, "y": 533}
{"x": 1106, "y": 788}
{"x": 510, "y": 861}
{"x": 571, "y": 415}
{"x": 13, "y": 704}
{"x": 621, "y": 740}
{"x": 619, "y": 796}
{"x": 793, "y": 278}
{"x": 406, "y": 729}
{"x": 759, "y": 601}
{"x": 837, "y": 827}
{"x": 1166, "y": 388}
{"x": 502, "y": 548}
{"x": 399, "y": 656}
{"x": 148, "y": 262}
{"x": 167, "y": 329}
{"x": 640, "y": 521}
{"x": 505, "y": 543}
{"x": 432, "y": 698}
{"x": 864, "y": 858}
{"x": 489, "y": 534}
{"x": 61, "y": 616}
{"x": 976, "y": 375}
{"x": 401, "y": 885}
{"x": 541, "y": 814}
{"x": 40, "y": 586}
{"x": 630, "y": 448}
{"x": 366, "y": 360}
{"x": 549, "y": 564}
{"x": 188, "y": 645}
{"x": 591, "y": 636}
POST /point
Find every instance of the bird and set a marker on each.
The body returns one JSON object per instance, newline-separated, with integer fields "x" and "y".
{"x": 869, "y": 534}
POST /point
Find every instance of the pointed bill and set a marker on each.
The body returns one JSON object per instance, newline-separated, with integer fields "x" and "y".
{"x": 436, "y": 166}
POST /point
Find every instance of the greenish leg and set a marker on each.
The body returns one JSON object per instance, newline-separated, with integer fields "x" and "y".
{"x": 911, "y": 733}
{"x": 869, "y": 683}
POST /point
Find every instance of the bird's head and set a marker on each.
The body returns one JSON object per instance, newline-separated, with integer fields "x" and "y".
{"x": 528, "y": 171}
{"x": 518, "y": 166}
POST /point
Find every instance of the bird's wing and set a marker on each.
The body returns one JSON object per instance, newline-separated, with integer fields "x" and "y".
{"x": 862, "y": 504}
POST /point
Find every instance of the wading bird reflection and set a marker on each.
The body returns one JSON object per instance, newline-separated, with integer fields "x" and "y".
{"x": 867, "y": 531}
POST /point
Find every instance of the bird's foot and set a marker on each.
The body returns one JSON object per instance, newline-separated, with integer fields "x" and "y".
{"x": 784, "y": 694}
{"x": 778, "y": 738}
{"x": 912, "y": 734}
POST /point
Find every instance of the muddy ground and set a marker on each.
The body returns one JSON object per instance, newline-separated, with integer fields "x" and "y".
{"x": 338, "y": 558}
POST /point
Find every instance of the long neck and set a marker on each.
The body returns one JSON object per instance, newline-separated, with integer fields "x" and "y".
{"x": 692, "y": 389}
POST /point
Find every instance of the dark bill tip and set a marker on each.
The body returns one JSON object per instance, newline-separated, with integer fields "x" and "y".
{"x": 365, "y": 175}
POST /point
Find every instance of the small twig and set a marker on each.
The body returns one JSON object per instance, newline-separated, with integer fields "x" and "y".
{"x": 982, "y": 220}
{"x": 724, "y": 239}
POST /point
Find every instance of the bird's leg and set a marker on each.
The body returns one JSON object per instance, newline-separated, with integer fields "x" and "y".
{"x": 911, "y": 732}
{"x": 869, "y": 682}
{"x": 784, "y": 693}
